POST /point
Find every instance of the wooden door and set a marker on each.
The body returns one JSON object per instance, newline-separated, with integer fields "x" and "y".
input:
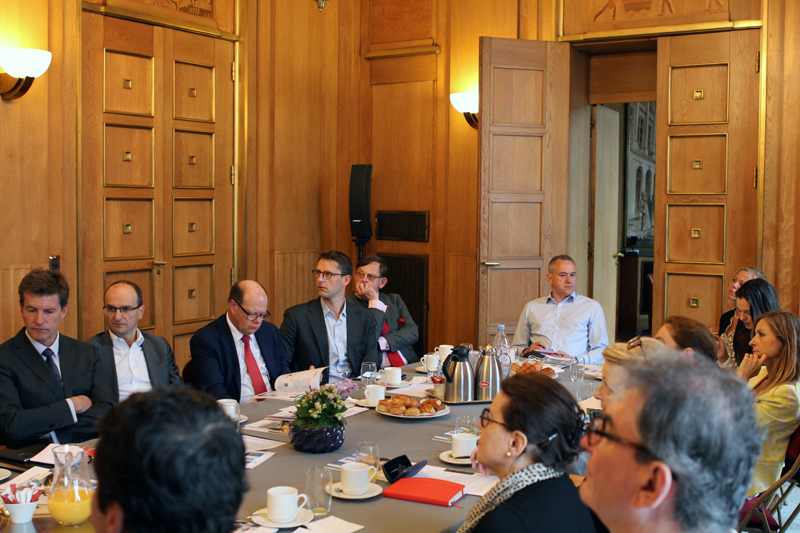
{"x": 604, "y": 213}
{"x": 707, "y": 153}
{"x": 156, "y": 192}
{"x": 524, "y": 137}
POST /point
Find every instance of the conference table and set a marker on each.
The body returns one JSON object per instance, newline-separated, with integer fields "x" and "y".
{"x": 395, "y": 436}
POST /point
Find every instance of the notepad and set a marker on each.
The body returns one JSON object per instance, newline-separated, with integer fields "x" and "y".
{"x": 425, "y": 490}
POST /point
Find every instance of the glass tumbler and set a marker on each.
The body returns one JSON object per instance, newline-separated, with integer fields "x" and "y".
{"x": 369, "y": 372}
{"x": 369, "y": 454}
{"x": 319, "y": 487}
{"x": 576, "y": 371}
{"x": 467, "y": 424}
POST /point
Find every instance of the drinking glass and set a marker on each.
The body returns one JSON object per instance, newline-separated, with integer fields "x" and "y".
{"x": 576, "y": 370}
{"x": 367, "y": 453}
{"x": 369, "y": 373}
{"x": 319, "y": 487}
{"x": 467, "y": 424}
{"x": 466, "y": 345}
{"x": 584, "y": 390}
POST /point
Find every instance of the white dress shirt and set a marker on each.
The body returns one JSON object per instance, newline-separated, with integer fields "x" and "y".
{"x": 337, "y": 344}
{"x": 575, "y": 325}
{"x": 247, "y": 391}
{"x": 132, "y": 375}
{"x": 383, "y": 344}
{"x": 39, "y": 347}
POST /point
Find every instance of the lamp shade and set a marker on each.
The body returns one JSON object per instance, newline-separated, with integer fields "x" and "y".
{"x": 25, "y": 62}
{"x": 465, "y": 102}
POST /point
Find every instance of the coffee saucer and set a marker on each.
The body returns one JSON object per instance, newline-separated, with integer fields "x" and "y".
{"x": 365, "y": 403}
{"x": 372, "y": 491}
{"x": 260, "y": 517}
{"x": 447, "y": 457}
{"x": 400, "y": 385}
{"x": 4, "y": 474}
{"x": 242, "y": 419}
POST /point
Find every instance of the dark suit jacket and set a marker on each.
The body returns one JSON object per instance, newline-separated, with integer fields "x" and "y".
{"x": 400, "y": 338}
{"x": 545, "y": 507}
{"x": 305, "y": 337}
{"x": 32, "y": 402}
{"x": 158, "y": 357}
{"x": 216, "y": 365}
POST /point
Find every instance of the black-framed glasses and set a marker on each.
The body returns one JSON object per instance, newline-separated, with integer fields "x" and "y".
{"x": 361, "y": 275}
{"x": 125, "y": 309}
{"x": 485, "y": 419}
{"x": 325, "y": 275}
{"x": 594, "y": 432}
{"x": 252, "y": 317}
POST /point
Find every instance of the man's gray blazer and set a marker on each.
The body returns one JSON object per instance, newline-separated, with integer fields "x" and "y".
{"x": 401, "y": 337}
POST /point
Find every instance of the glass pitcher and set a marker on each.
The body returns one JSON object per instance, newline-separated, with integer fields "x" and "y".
{"x": 70, "y": 499}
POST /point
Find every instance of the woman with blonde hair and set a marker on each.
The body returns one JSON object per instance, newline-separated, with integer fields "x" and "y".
{"x": 776, "y": 351}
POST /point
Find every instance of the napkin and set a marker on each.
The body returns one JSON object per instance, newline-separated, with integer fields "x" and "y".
{"x": 591, "y": 403}
{"x": 330, "y": 525}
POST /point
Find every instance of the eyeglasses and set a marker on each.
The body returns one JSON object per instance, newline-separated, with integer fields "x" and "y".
{"x": 125, "y": 309}
{"x": 361, "y": 275}
{"x": 252, "y": 317}
{"x": 325, "y": 275}
{"x": 594, "y": 432}
{"x": 485, "y": 420}
{"x": 637, "y": 341}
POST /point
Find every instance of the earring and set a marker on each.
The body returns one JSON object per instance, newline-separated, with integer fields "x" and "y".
{"x": 508, "y": 454}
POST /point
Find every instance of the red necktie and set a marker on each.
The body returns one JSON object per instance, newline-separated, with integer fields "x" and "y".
{"x": 394, "y": 357}
{"x": 252, "y": 367}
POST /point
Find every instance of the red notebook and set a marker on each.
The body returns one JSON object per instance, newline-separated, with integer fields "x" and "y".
{"x": 425, "y": 490}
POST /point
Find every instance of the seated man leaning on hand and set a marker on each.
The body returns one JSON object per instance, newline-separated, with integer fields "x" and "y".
{"x": 398, "y": 331}
{"x": 52, "y": 388}
{"x": 565, "y": 322}
{"x": 136, "y": 361}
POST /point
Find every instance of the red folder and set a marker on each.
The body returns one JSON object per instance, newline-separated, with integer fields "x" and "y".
{"x": 425, "y": 490}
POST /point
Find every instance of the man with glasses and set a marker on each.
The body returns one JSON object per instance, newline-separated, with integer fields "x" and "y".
{"x": 330, "y": 331}
{"x": 675, "y": 453}
{"x": 398, "y": 332}
{"x": 239, "y": 355}
{"x": 135, "y": 361}
{"x": 52, "y": 387}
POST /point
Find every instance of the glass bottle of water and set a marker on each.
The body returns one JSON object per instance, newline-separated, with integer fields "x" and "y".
{"x": 502, "y": 349}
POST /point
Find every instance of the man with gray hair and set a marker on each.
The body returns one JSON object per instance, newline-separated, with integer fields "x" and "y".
{"x": 675, "y": 453}
{"x": 564, "y": 321}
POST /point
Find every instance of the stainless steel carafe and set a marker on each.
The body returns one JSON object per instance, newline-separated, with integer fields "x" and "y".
{"x": 487, "y": 375}
{"x": 459, "y": 378}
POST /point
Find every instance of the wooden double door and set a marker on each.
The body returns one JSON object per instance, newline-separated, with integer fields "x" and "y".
{"x": 157, "y": 174}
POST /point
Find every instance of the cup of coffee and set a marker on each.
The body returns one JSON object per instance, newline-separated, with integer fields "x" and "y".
{"x": 443, "y": 350}
{"x": 431, "y": 361}
{"x": 282, "y": 504}
{"x": 463, "y": 444}
{"x": 374, "y": 394}
{"x": 355, "y": 478}
{"x": 392, "y": 375}
{"x": 231, "y": 408}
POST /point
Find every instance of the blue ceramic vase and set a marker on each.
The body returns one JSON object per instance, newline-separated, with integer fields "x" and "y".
{"x": 317, "y": 440}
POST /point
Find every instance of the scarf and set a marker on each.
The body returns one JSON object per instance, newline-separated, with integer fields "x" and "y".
{"x": 505, "y": 489}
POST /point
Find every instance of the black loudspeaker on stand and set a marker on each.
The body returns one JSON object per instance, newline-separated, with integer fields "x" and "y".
{"x": 360, "y": 214}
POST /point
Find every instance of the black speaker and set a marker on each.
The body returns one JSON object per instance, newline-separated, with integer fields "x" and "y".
{"x": 360, "y": 214}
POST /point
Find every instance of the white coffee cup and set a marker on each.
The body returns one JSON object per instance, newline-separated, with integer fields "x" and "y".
{"x": 443, "y": 350}
{"x": 282, "y": 504}
{"x": 431, "y": 361}
{"x": 231, "y": 408}
{"x": 463, "y": 444}
{"x": 355, "y": 478}
{"x": 374, "y": 393}
{"x": 392, "y": 375}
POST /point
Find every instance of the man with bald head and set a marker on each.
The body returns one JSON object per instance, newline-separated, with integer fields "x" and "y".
{"x": 136, "y": 361}
{"x": 240, "y": 354}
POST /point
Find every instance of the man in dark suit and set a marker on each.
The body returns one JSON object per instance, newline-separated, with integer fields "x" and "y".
{"x": 330, "y": 331}
{"x": 52, "y": 387}
{"x": 134, "y": 360}
{"x": 398, "y": 332}
{"x": 225, "y": 360}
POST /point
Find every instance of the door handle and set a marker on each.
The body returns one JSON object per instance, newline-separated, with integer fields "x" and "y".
{"x": 159, "y": 262}
{"x": 490, "y": 263}
{"x": 618, "y": 255}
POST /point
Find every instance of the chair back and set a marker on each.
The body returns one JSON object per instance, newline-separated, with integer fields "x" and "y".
{"x": 188, "y": 375}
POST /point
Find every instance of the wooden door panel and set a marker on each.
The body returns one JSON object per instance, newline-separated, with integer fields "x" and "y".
{"x": 193, "y": 227}
{"x": 515, "y": 230}
{"x": 696, "y": 233}
{"x": 518, "y": 96}
{"x": 697, "y": 296}
{"x": 509, "y": 291}
{"x": 128, "y": 156}
{"x": 193, "y": 164}
{"x": 128, "y": 84}
{"x": 516, "y": 163}
{"x": 194, "y": 92}
{"x": 699, "y": 94}
{"x": 144, "y": 279}
{"x": 180, "y": 348}
{"x": 129, "y": 228}
{"x": 193, "y": 293}
{"x": 698, "y": 164}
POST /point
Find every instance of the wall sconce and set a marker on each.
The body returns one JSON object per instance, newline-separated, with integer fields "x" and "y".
{"x": 468, "y": 104}
{"x": 321, "y": 4}
{"x": 25, "y": 64}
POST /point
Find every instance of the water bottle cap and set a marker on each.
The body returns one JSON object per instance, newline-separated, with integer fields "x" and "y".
{"x": 501, "y": 327}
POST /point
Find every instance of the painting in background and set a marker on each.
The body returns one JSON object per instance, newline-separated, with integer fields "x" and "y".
{"x": 640, "y": 173}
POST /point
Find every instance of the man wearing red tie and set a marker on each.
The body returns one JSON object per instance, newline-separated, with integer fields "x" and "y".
{"x": 398, "y": 330}
{"x": 239, "y": 355}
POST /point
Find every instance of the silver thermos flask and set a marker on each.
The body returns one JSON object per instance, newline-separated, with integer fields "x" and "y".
{"x": 487, "y": 375}
{"x": 459, "y": 378}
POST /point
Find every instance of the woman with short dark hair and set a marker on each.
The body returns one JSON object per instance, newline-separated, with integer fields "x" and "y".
{"x": 530, "y": 434}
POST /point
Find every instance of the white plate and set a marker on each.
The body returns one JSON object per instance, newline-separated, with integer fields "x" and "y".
{"x": 447, "y": 457}
{"x": 243, "y": 419}
{"x": 421, "y": 369}
{"x": 443, "y": 412}
{"x": 364, "y": 403}
{"x": 372, "y": 491}
{"x": 4, "y": 474}
{"x": 304, "y": 516}
{"x": 398, "y": 386}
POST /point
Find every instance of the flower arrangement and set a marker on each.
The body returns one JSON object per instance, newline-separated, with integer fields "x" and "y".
{"x": 323, "y": 407}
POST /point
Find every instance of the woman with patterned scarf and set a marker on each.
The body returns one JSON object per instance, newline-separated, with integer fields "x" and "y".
{"x": 529, "y": 435}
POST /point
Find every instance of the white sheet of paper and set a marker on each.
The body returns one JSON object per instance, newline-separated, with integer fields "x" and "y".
{"x": 330, "y": 524}
{"x": 46, "y": 456}
{"x": 253, "y": 459}
{"x": 24, "y": 477}
{"x": 475, "y": 484}
{"x": 591, "y": 403}
{"x": 255, "y": 444}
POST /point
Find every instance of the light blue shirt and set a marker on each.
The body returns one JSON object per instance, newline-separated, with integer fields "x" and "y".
{"x": 337, "y": 343}
{"x": 575, "y": 325}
